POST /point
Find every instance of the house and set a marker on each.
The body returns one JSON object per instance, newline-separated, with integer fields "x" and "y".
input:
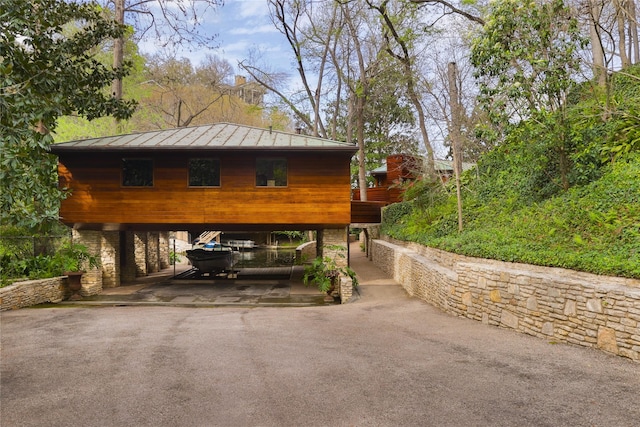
{"x": 399, "y": 169}
{"x": 128, "y": 191}
{"x": 250, "y": 92}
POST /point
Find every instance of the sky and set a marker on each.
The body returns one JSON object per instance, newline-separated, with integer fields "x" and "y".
{"x": 242, "y": 26}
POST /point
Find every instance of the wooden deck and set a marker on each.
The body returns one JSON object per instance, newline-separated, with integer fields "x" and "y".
{"x": 366, "y": 212}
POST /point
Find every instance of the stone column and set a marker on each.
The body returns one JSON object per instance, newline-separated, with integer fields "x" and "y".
{"x": 92, "y": 278}
{"x": 165, "y": 250}
{"x": 153, "y": 252}
{"x": 334, "y": 243}
{"x": 128, "y": 257}
{"x": 110, "y": 259}
{"x": 140, "y": 253}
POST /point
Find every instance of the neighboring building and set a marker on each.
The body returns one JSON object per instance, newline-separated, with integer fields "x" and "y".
{"x": 398, "y": 169}
{"x": 249, "y": 92}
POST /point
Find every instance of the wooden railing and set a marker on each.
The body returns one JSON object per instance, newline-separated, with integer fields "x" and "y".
{"x": 379, "y": 194}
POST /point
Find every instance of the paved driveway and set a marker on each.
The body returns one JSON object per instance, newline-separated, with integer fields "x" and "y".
{"x": 382, "y": 360}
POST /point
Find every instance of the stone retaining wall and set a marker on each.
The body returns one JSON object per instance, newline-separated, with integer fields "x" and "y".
{"x": 306, "y": 252}
{"x": 32, "y": 292}
{"x": 551, "y": 303}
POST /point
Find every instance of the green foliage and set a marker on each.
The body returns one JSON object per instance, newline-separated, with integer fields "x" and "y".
{"x": 526, "y": 58}
{"x": 324, "y": 272}
{"x": 394, "y": 213}
{"x": 516, "y": 206}
{"x": 38, "y": 257}
{"x": 527, "y": 52}
{"x": 294, "y": 236}
{"x": 75, "y": 257}
{"x": 593, "y": 228}
{"x": 47, "y": 71}
{"x": 625, "y": 110}
{"x": 174, "y": 257}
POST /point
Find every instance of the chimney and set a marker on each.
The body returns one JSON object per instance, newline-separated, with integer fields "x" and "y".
{"x": 241, "y": 80}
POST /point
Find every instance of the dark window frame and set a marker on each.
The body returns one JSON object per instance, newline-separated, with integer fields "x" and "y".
{"x": 267, "y": 176}
{"x": 190, "y": 184}
{"x": 140, "y": 181}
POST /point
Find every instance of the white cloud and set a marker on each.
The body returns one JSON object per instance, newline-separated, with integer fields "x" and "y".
{"x": 249, "y": 8}
{"x": 261, "y": 29}
{"x": 242, "y": 26}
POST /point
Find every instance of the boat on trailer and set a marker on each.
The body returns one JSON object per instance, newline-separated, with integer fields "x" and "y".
{"x": 218, "y": 259}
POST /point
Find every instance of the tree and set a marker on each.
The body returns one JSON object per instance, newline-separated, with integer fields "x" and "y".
{"x": 336, "y": 49}
{"x": 169, "y": 23}
{"x": 48, "y": 69}
{"x": 527, "y": 57}
{"x": 399, "y": 39}
{"x": 182, "y": 95}
{"x": 451, "y": 8}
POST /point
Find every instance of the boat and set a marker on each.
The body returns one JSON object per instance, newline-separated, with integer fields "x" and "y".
{"x": 215, "y": 260}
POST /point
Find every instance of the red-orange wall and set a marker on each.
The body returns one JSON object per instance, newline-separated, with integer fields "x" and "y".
{"x": 317, "y": 194}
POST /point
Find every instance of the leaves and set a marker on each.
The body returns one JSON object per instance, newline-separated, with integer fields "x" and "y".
{"x": 47, "y": 70}
{"x": 527, "y": 55}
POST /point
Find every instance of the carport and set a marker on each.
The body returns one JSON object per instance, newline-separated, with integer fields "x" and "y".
{"x": 127, "y": 192}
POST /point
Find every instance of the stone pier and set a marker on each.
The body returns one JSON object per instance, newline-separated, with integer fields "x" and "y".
{"x": 92, "y": 278}
{"x": 123, "y": 256}
{"x": 334, "y": 243}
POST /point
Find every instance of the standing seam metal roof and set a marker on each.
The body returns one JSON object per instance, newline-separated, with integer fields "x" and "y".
{"x": 219, "y": 136}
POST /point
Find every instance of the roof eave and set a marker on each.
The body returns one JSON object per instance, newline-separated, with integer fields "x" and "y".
{"x": 102, "y": 149}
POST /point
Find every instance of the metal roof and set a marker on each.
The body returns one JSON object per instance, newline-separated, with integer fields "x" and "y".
{"x": 216, "y": 136}
{"x": 440, "y": 165}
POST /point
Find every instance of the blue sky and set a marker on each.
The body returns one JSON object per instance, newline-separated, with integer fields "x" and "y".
{"x": 242, "y": 26}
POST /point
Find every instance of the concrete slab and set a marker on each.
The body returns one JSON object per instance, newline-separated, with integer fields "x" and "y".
{"x": 385, "y": 360}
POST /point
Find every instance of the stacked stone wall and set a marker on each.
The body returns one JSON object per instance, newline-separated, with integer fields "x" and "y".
{"x": 164, "y": 250}
{"x": 551, "y": 303}
{"x": 110, "y": 259}
{"x": 334, "y": 245}
{"x": 140, "y": 254}
{"x": 92, "y": 278}
{"x": 306, "y": 252}
{"x": 128, "y": 257}
{"x": 153, "y": 252}
{"x": 32, "y": 292}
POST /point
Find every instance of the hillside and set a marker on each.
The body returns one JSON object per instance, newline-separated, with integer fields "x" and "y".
{"x": 565, "y": 198}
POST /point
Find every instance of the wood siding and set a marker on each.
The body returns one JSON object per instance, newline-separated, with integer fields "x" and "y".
{"x": 317, "y": 193}
{"x": 366, "y": 212}
{"x": 380, "y": 194}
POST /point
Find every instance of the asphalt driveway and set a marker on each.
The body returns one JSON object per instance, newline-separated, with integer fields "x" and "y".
{"x": 383, "y": 360}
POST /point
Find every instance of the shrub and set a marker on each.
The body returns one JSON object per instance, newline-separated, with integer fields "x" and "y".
{"x": 593, "y": 228}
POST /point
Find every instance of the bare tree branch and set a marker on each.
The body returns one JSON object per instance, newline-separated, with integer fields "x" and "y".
{"x": 453, "y": 9}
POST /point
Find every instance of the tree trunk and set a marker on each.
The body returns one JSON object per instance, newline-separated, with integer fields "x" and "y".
{"x": 622, "y": 34}
{"x": 633, "y": 32}
{"x": 454, "y": 133}
{"x": 599, "y": 71}
{"x": 404, "y": 58}
{"x": 362, "y": 167}
{"x": 361, "y": 92}
{"x": 118, "y": 49}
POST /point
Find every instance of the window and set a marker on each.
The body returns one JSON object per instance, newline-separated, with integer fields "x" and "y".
{"x": 137, "y": 172}
{"x": 204, "y": 173}
{"x": 271, "y": 172}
